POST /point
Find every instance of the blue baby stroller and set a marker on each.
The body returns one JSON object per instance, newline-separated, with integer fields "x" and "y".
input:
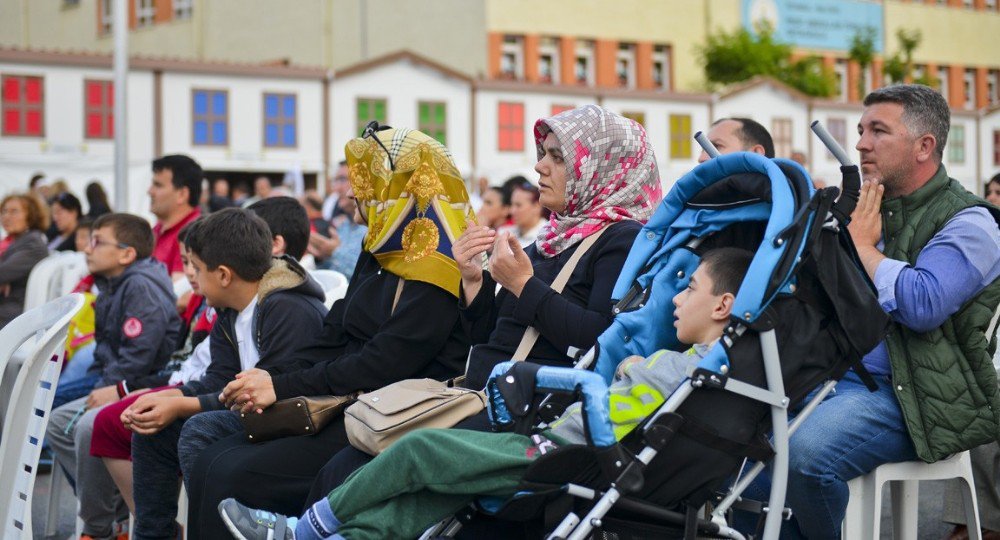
{"x": 805, "y": 314}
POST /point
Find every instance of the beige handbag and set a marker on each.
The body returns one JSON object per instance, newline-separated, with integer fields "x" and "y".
{"x": 377, "y": 419}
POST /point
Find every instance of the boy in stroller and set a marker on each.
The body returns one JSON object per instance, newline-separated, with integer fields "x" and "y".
{"x": 430, "y": 474}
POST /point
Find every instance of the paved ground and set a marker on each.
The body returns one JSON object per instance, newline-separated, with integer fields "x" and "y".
{"x": 930, "y": 508}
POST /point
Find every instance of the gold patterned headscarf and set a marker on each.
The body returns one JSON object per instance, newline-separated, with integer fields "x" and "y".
{"x": 415, "y": 202}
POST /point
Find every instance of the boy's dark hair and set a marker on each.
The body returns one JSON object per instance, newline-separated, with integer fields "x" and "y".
{"x": 287, "y": 218}
{"x": 235, "y": 238}
{"x": 185, "y": 173}
{"x": 130, "y": 230}
{"x": 727, "y": 267}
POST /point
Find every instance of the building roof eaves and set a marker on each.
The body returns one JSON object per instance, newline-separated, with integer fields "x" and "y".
{"x": 104, "y": 60}
{"x": 391, "y": 58}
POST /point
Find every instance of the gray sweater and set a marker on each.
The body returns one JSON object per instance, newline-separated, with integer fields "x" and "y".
{"x": 15, "y": 265}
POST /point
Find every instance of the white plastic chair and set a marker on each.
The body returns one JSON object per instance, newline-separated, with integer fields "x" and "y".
{"x": 74, "y": 269}
{"x": 864, "y": 509}
{"x": 30, "y": 404}
{"x": 44, "y": 281}
{"x": 334, "y": 284}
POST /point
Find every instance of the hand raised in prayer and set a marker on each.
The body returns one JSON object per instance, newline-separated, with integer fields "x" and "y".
{"x": 509, "y": 264}
{"x": 866, "y": 220}
{"x": 253, "y": 390}
{"x": 468, "y": 252}
{"x": 866, "y": 226}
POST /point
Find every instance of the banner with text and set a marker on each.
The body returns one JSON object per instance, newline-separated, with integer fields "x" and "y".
{"x": 816, "y": 24}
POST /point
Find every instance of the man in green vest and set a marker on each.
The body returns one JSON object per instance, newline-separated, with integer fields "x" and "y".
{"x": 933, "y": 251}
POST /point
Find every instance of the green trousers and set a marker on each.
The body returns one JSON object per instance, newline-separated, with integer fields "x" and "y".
{"x": 424, "y": 477}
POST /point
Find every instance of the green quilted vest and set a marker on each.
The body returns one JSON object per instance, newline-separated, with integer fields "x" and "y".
{"x": 944, "y": 379}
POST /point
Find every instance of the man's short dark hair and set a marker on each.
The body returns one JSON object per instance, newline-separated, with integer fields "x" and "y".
{"x": 924, "y": 110}
{"x": 285, "y": 217}
{"x": 751, "y": 133}
{"x": 235, "y": 238}
{"x": 727, "y": 267}
{"x": 130, "y": 230}
{"x": 185, "y": 172}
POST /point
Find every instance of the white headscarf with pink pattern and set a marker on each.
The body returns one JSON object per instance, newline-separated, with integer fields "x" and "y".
{"x": 611, "y": 174}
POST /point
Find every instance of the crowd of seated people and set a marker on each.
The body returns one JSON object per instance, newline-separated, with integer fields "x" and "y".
{"x": 167, "y": 379}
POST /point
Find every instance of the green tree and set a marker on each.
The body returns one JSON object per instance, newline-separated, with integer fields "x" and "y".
{"x": 731, "y": 57}
{"x": 899, "y": 66}
{"x": 862, "y": 51}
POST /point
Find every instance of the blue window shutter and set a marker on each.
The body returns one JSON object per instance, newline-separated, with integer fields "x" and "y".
{"x": 288, "y": 135}
{"x": 219, "y": 133}
{"x": 200, "y": 132}
{"x": 270, "y": 135}
{"x": 219, "y": 103}
{"x": 200, "y": 105}
{"x": 270, "y": 106}
{"x": 289, "y": 107}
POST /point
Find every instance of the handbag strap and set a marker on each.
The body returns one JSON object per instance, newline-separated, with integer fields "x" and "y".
{"x": 530, "y": 333}
{"x": 399, "y": 292}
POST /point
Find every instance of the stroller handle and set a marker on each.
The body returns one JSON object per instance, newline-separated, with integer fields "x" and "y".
{"x": 851, "y": 185}
{"x": 706, "y": 144}
{"x": 832, "y": 145}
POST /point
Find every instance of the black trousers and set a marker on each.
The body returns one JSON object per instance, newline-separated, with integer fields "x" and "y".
{"x": 274, "y": 475}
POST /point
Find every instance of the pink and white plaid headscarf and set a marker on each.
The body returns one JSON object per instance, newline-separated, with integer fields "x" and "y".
{"x": 611, "y": 174}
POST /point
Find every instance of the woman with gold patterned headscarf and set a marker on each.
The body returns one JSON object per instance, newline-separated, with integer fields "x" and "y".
{"x": 415, "y": 204}
{"x": 598, "y": 176}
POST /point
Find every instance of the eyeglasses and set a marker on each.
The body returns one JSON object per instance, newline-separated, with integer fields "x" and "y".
{"x": 371, "y": 130}
{"x": 94, "y": 242}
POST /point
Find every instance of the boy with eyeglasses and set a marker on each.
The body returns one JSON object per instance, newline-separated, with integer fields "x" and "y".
{"x": 137, "y": 327}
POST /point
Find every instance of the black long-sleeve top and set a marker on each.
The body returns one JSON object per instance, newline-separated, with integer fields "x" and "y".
{"x": 365, "y": 345}
{"x": 574, "y": 318}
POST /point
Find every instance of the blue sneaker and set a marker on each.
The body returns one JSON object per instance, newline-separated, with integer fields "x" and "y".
{"x": 249, "y": 524}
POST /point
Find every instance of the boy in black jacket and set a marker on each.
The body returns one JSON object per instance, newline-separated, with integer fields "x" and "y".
{"x": 265, "y": 308}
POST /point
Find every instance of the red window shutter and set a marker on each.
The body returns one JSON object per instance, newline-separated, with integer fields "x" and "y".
{"x": 33, "y": 90}
{"x": 518, "y": 124}
{"x": 11, "y": 90}
{"x": 32, "y": 123}
{"x": 11, "y": 122}
{"x": 94, "y": 94}
{"x": 93, "y": 125}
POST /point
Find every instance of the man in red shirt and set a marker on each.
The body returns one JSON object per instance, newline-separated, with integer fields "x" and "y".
{"x": 173, "y": 199}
